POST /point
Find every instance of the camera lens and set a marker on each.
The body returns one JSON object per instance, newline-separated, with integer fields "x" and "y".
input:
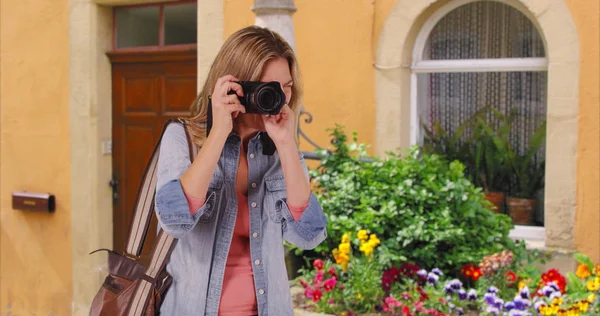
{"x": 267, "y": 99}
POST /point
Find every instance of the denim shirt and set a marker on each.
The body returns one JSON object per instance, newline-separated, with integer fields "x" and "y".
{"x": 197, "y": 264}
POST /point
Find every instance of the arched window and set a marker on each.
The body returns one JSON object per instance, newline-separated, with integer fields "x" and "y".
{"x": 471, "y": 55}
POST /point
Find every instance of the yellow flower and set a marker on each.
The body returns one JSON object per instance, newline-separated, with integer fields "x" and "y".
{"x": 374, "y": 240}
{"x": 591, "y": 298}
{"x": 345, "y": 266}
{"x": 594, "y": 285}
{"x": 597, "y": 270}
{"x": 345, "y": 248}
{"x": 583, "y": 306}
{"x": 359, "y": 296}
{"x": 362, "y": 235}
{"x": 583, "y": 271}
{"x": 557, "y": 301}
{"x": 366, "y": 248}
{"x": 346, "y": 238}
{"x": 549, "y": 310}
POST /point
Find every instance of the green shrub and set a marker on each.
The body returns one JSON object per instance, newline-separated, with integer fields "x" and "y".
{"x": 423, "y": 208}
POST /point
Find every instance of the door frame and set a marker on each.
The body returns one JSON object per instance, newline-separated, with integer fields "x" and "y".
{"x": 90, "y": 113}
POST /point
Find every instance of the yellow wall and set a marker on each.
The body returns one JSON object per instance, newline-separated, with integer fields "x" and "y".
{"x": 587, "y": 225}
{"x": 336, "y": 37}
{"x": 35, "y": 260}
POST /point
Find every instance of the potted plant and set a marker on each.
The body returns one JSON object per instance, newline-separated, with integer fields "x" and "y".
{"x": 491, "y": 165}
{"x": 527, "y": 175}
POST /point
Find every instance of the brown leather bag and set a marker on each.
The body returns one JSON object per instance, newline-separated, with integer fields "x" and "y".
{"x": 131, "y": 288}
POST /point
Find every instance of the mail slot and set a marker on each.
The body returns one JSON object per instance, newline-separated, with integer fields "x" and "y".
{"x": 37, "y": 202}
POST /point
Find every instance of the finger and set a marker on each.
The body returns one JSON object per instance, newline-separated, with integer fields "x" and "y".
{"x": 226, "y": 78}
{"x": 236, "y": 107}
{"x": 233, "y": 86}
{"x": 232, "y": 99}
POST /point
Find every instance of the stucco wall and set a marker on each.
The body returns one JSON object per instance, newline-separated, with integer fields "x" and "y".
{"x": 35, "y": 260}
{"x": 587, "y": 219}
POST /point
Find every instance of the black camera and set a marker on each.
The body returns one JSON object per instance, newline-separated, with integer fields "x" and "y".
{"x": 261, "y": 97}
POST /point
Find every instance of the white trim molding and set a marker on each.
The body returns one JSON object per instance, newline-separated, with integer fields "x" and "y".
{"x": 481, "y": 65}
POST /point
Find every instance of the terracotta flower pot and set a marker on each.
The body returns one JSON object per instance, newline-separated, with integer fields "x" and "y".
{"x": 521, "y": 210}
{"x": 497, "y": 199}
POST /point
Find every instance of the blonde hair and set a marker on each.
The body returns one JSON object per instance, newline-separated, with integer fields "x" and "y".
{"x": 244, "y": 56}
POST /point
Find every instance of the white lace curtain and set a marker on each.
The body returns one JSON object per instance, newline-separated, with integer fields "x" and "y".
{"x": 484, "y": 30}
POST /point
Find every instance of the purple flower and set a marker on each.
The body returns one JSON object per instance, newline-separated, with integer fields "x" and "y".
{"x": 472, "y": 295}
{"x": 515, "y": 312}
{"x": 518, "y": 302}
{"x": 422, "y": 273}
{"x": 437, "y": 271}
{"x": 452, "y": 306}
{"x": 547, "y": 291}
{"x": 524, "y": 292}
{"x": 509, "y": 305}
{"x": 492, "y": 289}
{"x": 556, "y": 294}
{"x": 489, "y": 298}
{"x": 432, "y": 278}
{"x": 455, "y": 284}
{"x": 462, "y": 294}
{"x": 460, "y": 311}
{"x": 492, "y": 311}
{"x": 554, "y": 286}
{"x": 498, "y": 303}
{"x": 448, "y": 289}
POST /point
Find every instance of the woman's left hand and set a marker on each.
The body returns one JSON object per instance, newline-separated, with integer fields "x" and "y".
{"x": 281, "y": 127}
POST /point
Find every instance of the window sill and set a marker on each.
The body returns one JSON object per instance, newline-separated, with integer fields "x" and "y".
{"x": 534, "y": 236}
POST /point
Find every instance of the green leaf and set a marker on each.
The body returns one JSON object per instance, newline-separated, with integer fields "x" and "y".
{"x": 583, "y": 259}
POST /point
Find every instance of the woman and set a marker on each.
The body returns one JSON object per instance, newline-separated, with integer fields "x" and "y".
{"x": 232, "y": 208}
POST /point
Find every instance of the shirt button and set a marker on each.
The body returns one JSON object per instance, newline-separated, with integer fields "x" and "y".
{"x": 254, "y": 185}
{"x": 253, "y": 204}
{"x": 261, "y": 291}
{"x": 254, "y": 235}
{"x": 251, "y": 156}
{"x": 256, "y": 262}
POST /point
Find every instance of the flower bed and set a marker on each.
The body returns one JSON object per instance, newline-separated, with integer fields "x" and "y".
{"x": 354, "y": 282}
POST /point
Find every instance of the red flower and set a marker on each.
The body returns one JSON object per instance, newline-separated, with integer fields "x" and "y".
{"x": 319, "y": 264}
{"x": 510, "y": 276}
{"x": 423, "y": 296}
{"x": 332, "y": 272}
{"x": 316, "y": 295}
{"x": 329, "y": 284}
{"x": 471, "y": 272}
{"x": 476, "y": 274}
{"x": 406, "y": 311}
{"x": 553, "y": 275}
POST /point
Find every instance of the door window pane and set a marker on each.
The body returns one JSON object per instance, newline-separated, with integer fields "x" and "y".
{"x": 137, "y": 27}
{"x": 180, "y": 23}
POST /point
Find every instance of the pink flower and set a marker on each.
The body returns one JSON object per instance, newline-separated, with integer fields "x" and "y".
{"x": 331, "y": 301}
{"x": 392, "y": 302}
{"x": 319, "y": 277}
{"x": 329, "y": 284}
{"x": 406, "y": 296}
{"x": 317, "y": 294}
{"x": 319, "y": 264}
{"x": 308, "y": 292}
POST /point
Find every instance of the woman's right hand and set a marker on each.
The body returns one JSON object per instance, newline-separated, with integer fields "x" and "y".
{"x": 226, "y": 106}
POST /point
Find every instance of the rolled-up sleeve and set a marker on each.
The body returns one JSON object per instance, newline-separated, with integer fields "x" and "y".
{"x": 173, "y": 210}
{"x": 171, "y": 205}
{"x": 311, "y": 229}
{"x": 307, "y": 232}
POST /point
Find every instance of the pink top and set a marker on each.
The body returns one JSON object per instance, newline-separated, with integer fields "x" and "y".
{"x": 238, "y": 295}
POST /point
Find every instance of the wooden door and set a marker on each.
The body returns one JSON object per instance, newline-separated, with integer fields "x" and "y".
{"x": 148, "y": 88}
